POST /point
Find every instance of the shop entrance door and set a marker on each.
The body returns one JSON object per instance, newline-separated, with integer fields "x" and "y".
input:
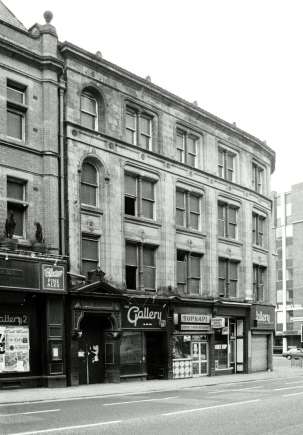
{"x": 91, "y": 350}
{"x": 156, "y": 360}
{"x": 199, "y": 355}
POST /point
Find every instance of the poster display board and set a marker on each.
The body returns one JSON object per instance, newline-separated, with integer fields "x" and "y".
{"x": 14, "y": 349}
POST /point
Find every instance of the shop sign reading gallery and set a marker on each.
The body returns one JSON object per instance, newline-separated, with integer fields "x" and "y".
{"x": 138, "y": 316}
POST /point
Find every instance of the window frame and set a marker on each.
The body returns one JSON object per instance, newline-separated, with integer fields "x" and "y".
{"x": 258, "y": 229}
{"x": 184, "y": 152}
{"x": 16, "y": 203}
{"x": 95, "y": 186}
{"x": 187, "y": 210}
{"x": 137, "y": 132}
{"x": 140, "y": 266}
{"x": 139, "y": 198}
{"x": 95, "y": 116}
{"x": 258, "y": 177}
{"x": 226, "y": 220}
{"x": 227, "y": 279}
{"x": 223, "y": 167}
{"x": 189, "y": 275}
{"x": 91, "y": 238}
{"x": 16, "y": 107}
{"x": 259, "y": 282}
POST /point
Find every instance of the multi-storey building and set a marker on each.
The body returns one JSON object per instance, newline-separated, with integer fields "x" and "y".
{"x": 163, "y": 209}
{"x": 289, "y": 268}
{"x": 32, "y": 273}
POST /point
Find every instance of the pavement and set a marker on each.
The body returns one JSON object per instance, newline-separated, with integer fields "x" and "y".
{"x": 282, "y": 369}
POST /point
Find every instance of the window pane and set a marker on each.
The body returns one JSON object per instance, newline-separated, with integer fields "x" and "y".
{"x": 222, "y": 269}
{"x": 191, "y": 145}
{"x": 221, "y": 228}
{"x": 88, "y": 266}
{"x": 87, "y": 120}
{"x": 233, "y": 268}
{"x": 232, "y": 231}
{"x": 233, "y": 289}
{"x": 221, "y": 286}
{"x": 88, "y": 194}
{"x": 194, "y": 203}
{"x": 180, "y": 199}
{"x": 181, "y": 272}
{"x": 190, "y": 160}
{"x": 195, "y": 266}
{"x": 130, "y": 120}
{"x": 145, "y": 125}
{"x": 90, "y": 249}
{"x": 194, "y": 221}
{"x": 147, "y": 209}
{"x": 14, "y": 124}
{"x": 130, "y": 185}
{"x": 130, "y": 136}
{"x": 88, "y": 104}
{"x": 15, "y": 95}
{"x": 230, "y": 161}
{"x": 89, "y": 174}
{"x": 131, "y": 277}
{"x": 145, "y": 142}
{"x": 232, "y": 215}
{"x": 221, "y": 157}
{"x": 131, "y": 254}
{"x": 194, "y": 286}
{"x": 18, "y": 216}
{"x": 229, "y": 175}
{"x": 148, "y": 256}
{"x": 15, "y": 190}
{"x": 149, "y": 277}
{"x": 180, "y": 140}
{"x": 130, "y": 206}
{"x": 147, "y": 189}
{"x": 180, "y": 218}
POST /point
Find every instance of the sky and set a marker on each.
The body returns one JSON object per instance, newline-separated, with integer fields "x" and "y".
{"x": 239, "y": 59}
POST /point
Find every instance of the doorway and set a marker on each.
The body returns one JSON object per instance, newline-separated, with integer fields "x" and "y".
{"x": 156, "y": 355}
{"x": 92, "y": 349}
{"x": 199, "y": 355}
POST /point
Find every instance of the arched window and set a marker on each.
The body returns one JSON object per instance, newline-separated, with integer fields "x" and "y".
{"x": 89, "y": 110}
{"x": 89, "y": 184}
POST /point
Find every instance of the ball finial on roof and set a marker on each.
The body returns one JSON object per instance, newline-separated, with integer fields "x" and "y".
{"x": 48, "y": 16}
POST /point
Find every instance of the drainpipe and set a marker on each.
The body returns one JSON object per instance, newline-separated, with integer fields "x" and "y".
{"x": 62, "y": 211}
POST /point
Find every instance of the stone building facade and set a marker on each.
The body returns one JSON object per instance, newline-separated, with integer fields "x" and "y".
{"x": 164, "y": 212}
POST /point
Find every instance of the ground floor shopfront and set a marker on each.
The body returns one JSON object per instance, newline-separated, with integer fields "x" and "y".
{"x": 115, "y": 339}
{"x": 31, "y": 321}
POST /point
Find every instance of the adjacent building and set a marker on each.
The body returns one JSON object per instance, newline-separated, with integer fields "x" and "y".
{"x": 289, "y": 268}
{"x": 160, "y": 210}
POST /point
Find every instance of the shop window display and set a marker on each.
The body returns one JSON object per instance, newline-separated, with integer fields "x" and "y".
{"x": 14, "y": 349}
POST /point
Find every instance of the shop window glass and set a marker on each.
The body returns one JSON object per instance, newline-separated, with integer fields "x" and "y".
{"x": 181, "y": 347}
{"x": 14, "y": 349}
{"x": 131, "y": 352}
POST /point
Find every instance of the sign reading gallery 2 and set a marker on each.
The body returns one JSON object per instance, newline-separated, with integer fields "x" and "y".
{"x": 143, "y": 316}
{"x": 52, "y": 277}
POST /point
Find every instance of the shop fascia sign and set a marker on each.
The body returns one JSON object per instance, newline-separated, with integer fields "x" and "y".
{"x": 217, "y": 322}
{"x": 263, "y": 317}
{"x": 13, "y": 319}
{"x": 137, "y": 316}
{"x": 193, "y": 321}
{"x": 52, "y": 277}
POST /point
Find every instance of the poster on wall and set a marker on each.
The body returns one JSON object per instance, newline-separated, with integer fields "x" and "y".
{"x": 14, "y": 349}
